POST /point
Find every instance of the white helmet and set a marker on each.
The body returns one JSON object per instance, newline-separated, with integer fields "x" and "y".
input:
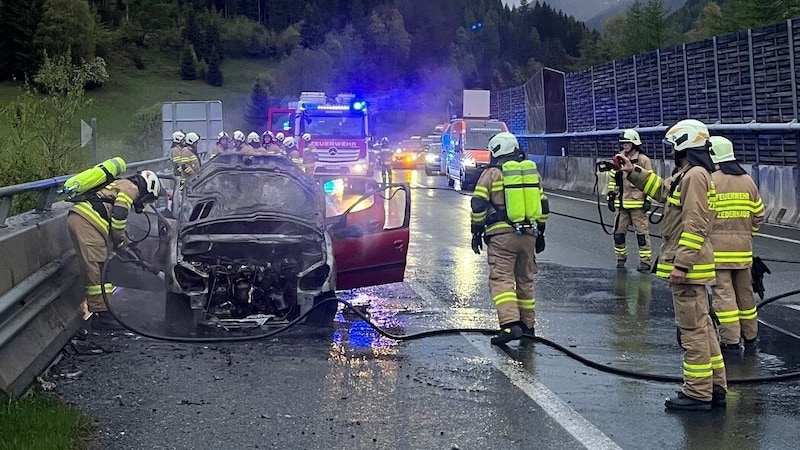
{"x": 267, "y": 136}
{"x": 280, "y": 136}
{"x": 721, "y": 150}
{"x": 222, "y": 135}
{"x": 177, "y": 137}
{"x": 289, "y": 142}
{"x": 307, "y": 137}
{"x": 152, "y": 183}
{"x": 192, "y": 138}
{"x": 238, "y": 136}
{"x": 253, "y": 137}
{"x": 686, "y": 134}
{"x": 630, "y": 135}
{"x": 503, "y": 143}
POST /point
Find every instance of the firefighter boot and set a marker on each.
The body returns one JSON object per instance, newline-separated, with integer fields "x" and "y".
{"x": 528, "y": 333}
{"x": 620, "y": 264}
{"x": 104, "y": 321}
{"x": 683, "y": 402}
{"x": 509, "y": 332}
{"x": 644, "y": 267}
{"x": 718, "y": 397}
{"x": 730, "y": 349}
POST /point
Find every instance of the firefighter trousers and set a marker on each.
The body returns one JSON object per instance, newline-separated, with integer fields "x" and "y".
{"x": 641, "y": 226}
{"x": 703, "y": 366}
{"x": 735, "y": 306}
{"x": 92, "y": 250}
{"x": 512, "y": 265}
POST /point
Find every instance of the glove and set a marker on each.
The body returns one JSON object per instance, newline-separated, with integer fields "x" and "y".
{"x": 477, "y": 243}
{"x": 610, "y": 197}
{"x": 647, "y": 205}
{"x": 678, "y": 337}
{"x": 540, "y": 243}
{"x": 757, "y": 270}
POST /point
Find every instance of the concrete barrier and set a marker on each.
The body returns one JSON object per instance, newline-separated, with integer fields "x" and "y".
{"x": 780, "y": 193}
{"x": 40, "y": 295}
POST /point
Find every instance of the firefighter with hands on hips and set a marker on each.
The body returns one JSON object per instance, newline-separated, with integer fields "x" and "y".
{"x": 222, "y": 144}
{"x": 176, "y": 153}
{"x": 509, "y": 211}
{"x": 97, "y": 225}
{"x": 686, "y": 259}
{"x": 631, "y": 204}
{"x": 310, "y": 155}
{"x": 739, "y": 213}
{"x": 268, "y": 142}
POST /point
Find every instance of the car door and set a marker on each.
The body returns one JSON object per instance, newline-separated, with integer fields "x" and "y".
{"x": 370, "y": 238}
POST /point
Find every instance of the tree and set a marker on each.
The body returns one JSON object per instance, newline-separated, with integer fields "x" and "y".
{"x": 18, "y": 20}
{"x": 66, "y": 26}
{"x": 259, "y": 102}
{"x": 709, "y": 23}
{"x": 214, "y": 74}
{"x": 188, "y": 63}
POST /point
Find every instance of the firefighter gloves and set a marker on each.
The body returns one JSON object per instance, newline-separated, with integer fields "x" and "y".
{"x": 540, "y": 243}
{"x": 477, "y": 243}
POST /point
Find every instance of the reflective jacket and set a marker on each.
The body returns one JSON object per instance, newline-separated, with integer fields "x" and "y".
{"x": 488, "y": 205}
{"x": 739, "y": 214}
{"x": 689, "y": 199}
{"x": 176, "y": 156}
{"x": 108, "y": 209}
{"x": 191, "y": 163}
{"x": 310, "y": 155}
{"x": 632, "y": 197}
{"x": 274, "y": 149}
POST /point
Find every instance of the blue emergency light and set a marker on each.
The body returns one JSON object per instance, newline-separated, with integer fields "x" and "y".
{"x": 359, "y": 105}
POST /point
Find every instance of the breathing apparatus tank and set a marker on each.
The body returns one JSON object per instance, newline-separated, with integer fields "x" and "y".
{"x": 522, "y": 194}
{"x": 93, "y": 178}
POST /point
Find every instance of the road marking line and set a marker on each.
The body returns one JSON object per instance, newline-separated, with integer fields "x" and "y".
{"x": 763, "y": 235}
{"x": 573, "y": 423}
{"x": 796, "y": 307}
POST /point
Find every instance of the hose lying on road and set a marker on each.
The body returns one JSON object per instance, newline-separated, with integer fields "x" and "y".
{"x": 438, "y": 332}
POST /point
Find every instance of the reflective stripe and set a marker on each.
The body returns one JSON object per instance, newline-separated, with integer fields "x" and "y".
{"x": 497, "y": 186}
{"x": 733, "y": 257}
{"x": 728, "y": 316}
{"x": 91, "y": 214}
{"x": 505, "y": 297}
{"x": 646, "y": 253}
{"x": 124, "y": 198}
{"x": 697, "y": 370}
{"x": 621, "y": 250}
{"x": 631, "y": 204}
{"x": 526, "y": 304}
{"x": 96, "y": 289}
{"x": 691, "y": 240}
{"x": 717, "y": 362}
{"x": 481, "y": 192}
{"x": 748, "y": 314}
{"x": 479, "y": 217}
{"x": 497, "y": 226}
{"x": 652, "y": 184}
{"x": 697, "y": 272}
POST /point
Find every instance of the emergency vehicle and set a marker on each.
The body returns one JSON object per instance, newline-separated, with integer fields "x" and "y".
{"x": 464, "y": 152}
{"x": 339, "y": 129}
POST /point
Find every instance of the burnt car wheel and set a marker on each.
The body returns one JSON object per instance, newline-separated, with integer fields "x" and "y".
{"x": 322, "y": 316}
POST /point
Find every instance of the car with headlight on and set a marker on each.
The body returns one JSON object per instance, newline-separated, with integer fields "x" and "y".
{"x": 255, "y": 240}
{"x": 433, "y": 157}
{"x": 465, "y": 154}
{"x": 408, "y": 154}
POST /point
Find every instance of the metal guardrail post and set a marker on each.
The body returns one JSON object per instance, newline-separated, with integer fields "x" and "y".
{"x": 46, "y": 198}
{"x": 5, "y": 206}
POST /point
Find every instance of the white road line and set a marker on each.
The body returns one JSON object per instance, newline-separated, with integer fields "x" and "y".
{"x": 576, "y": 425}
{"x": 796, "y": 307}
{"x": 762, "y": 235}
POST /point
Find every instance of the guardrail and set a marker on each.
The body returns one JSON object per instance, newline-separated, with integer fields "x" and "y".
{"x": 47, "y": 190}
{"x": 40, "y": 283}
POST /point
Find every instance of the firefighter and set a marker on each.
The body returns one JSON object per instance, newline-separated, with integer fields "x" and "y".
{"x": 310, "y": 155}
{"x": 222, "y": 144}
{"x": 98, "y": 224}
{"x": 176, "y": 153}
{"x": 385, "y": 160}
{"x": 280, "y": 138}
{"x": 686, "y": 259}
{"x": 238, "y": 140}
{"x": 740, "y": 212}
{"x": 268, "y": 142}
{"x": 509, "y": 211}
{"x": 191, "y": 163}
{"x": 292, "y": 152}
{"x": 254, "y": 144}
{"x": 631, "y": 204}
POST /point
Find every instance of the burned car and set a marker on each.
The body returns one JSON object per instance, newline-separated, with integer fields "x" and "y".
{"x": 254, "y": 241}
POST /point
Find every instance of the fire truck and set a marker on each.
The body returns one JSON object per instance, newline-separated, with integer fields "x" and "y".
{"x": 339, "y": 129}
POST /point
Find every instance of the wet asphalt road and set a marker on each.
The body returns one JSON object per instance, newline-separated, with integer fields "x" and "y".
{"x": 350, "y": 388}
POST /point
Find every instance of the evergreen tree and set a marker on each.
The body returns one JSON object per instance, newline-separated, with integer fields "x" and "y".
{"x": 259, "y": 104}
{"x": 188, "y": 67}
{"x": 214, "y": 75}
{"x": 66, "y": 25}
{"x": 18, "y": 20}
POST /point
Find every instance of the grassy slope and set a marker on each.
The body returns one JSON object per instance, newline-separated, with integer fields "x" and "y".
{"x": 127, "y": 91}
{"x": 42, "y": 422}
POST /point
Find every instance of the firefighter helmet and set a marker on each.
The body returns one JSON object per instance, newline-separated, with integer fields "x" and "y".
{"x": 238, "y": 136}
{"x": 280, "y": 136}
{"x": 722, "y": 150}
{"x": 686, "y": 134}
{"x": 267, "y": 136}
{"x": 289, "y": 142}
{"x": 630, "y": 135}
{"x": 253, "y": 137}
{"x": 307, "y": 137}
{"x": 152, "y": 184}
{"x": 502, "y": 144}
{"x": 222, "y": 135}
{"x": 192, "y": 138}
{"x": 178, "y": 136}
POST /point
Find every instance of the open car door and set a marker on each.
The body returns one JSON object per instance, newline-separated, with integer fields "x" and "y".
{"x": 369, "y": 226}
